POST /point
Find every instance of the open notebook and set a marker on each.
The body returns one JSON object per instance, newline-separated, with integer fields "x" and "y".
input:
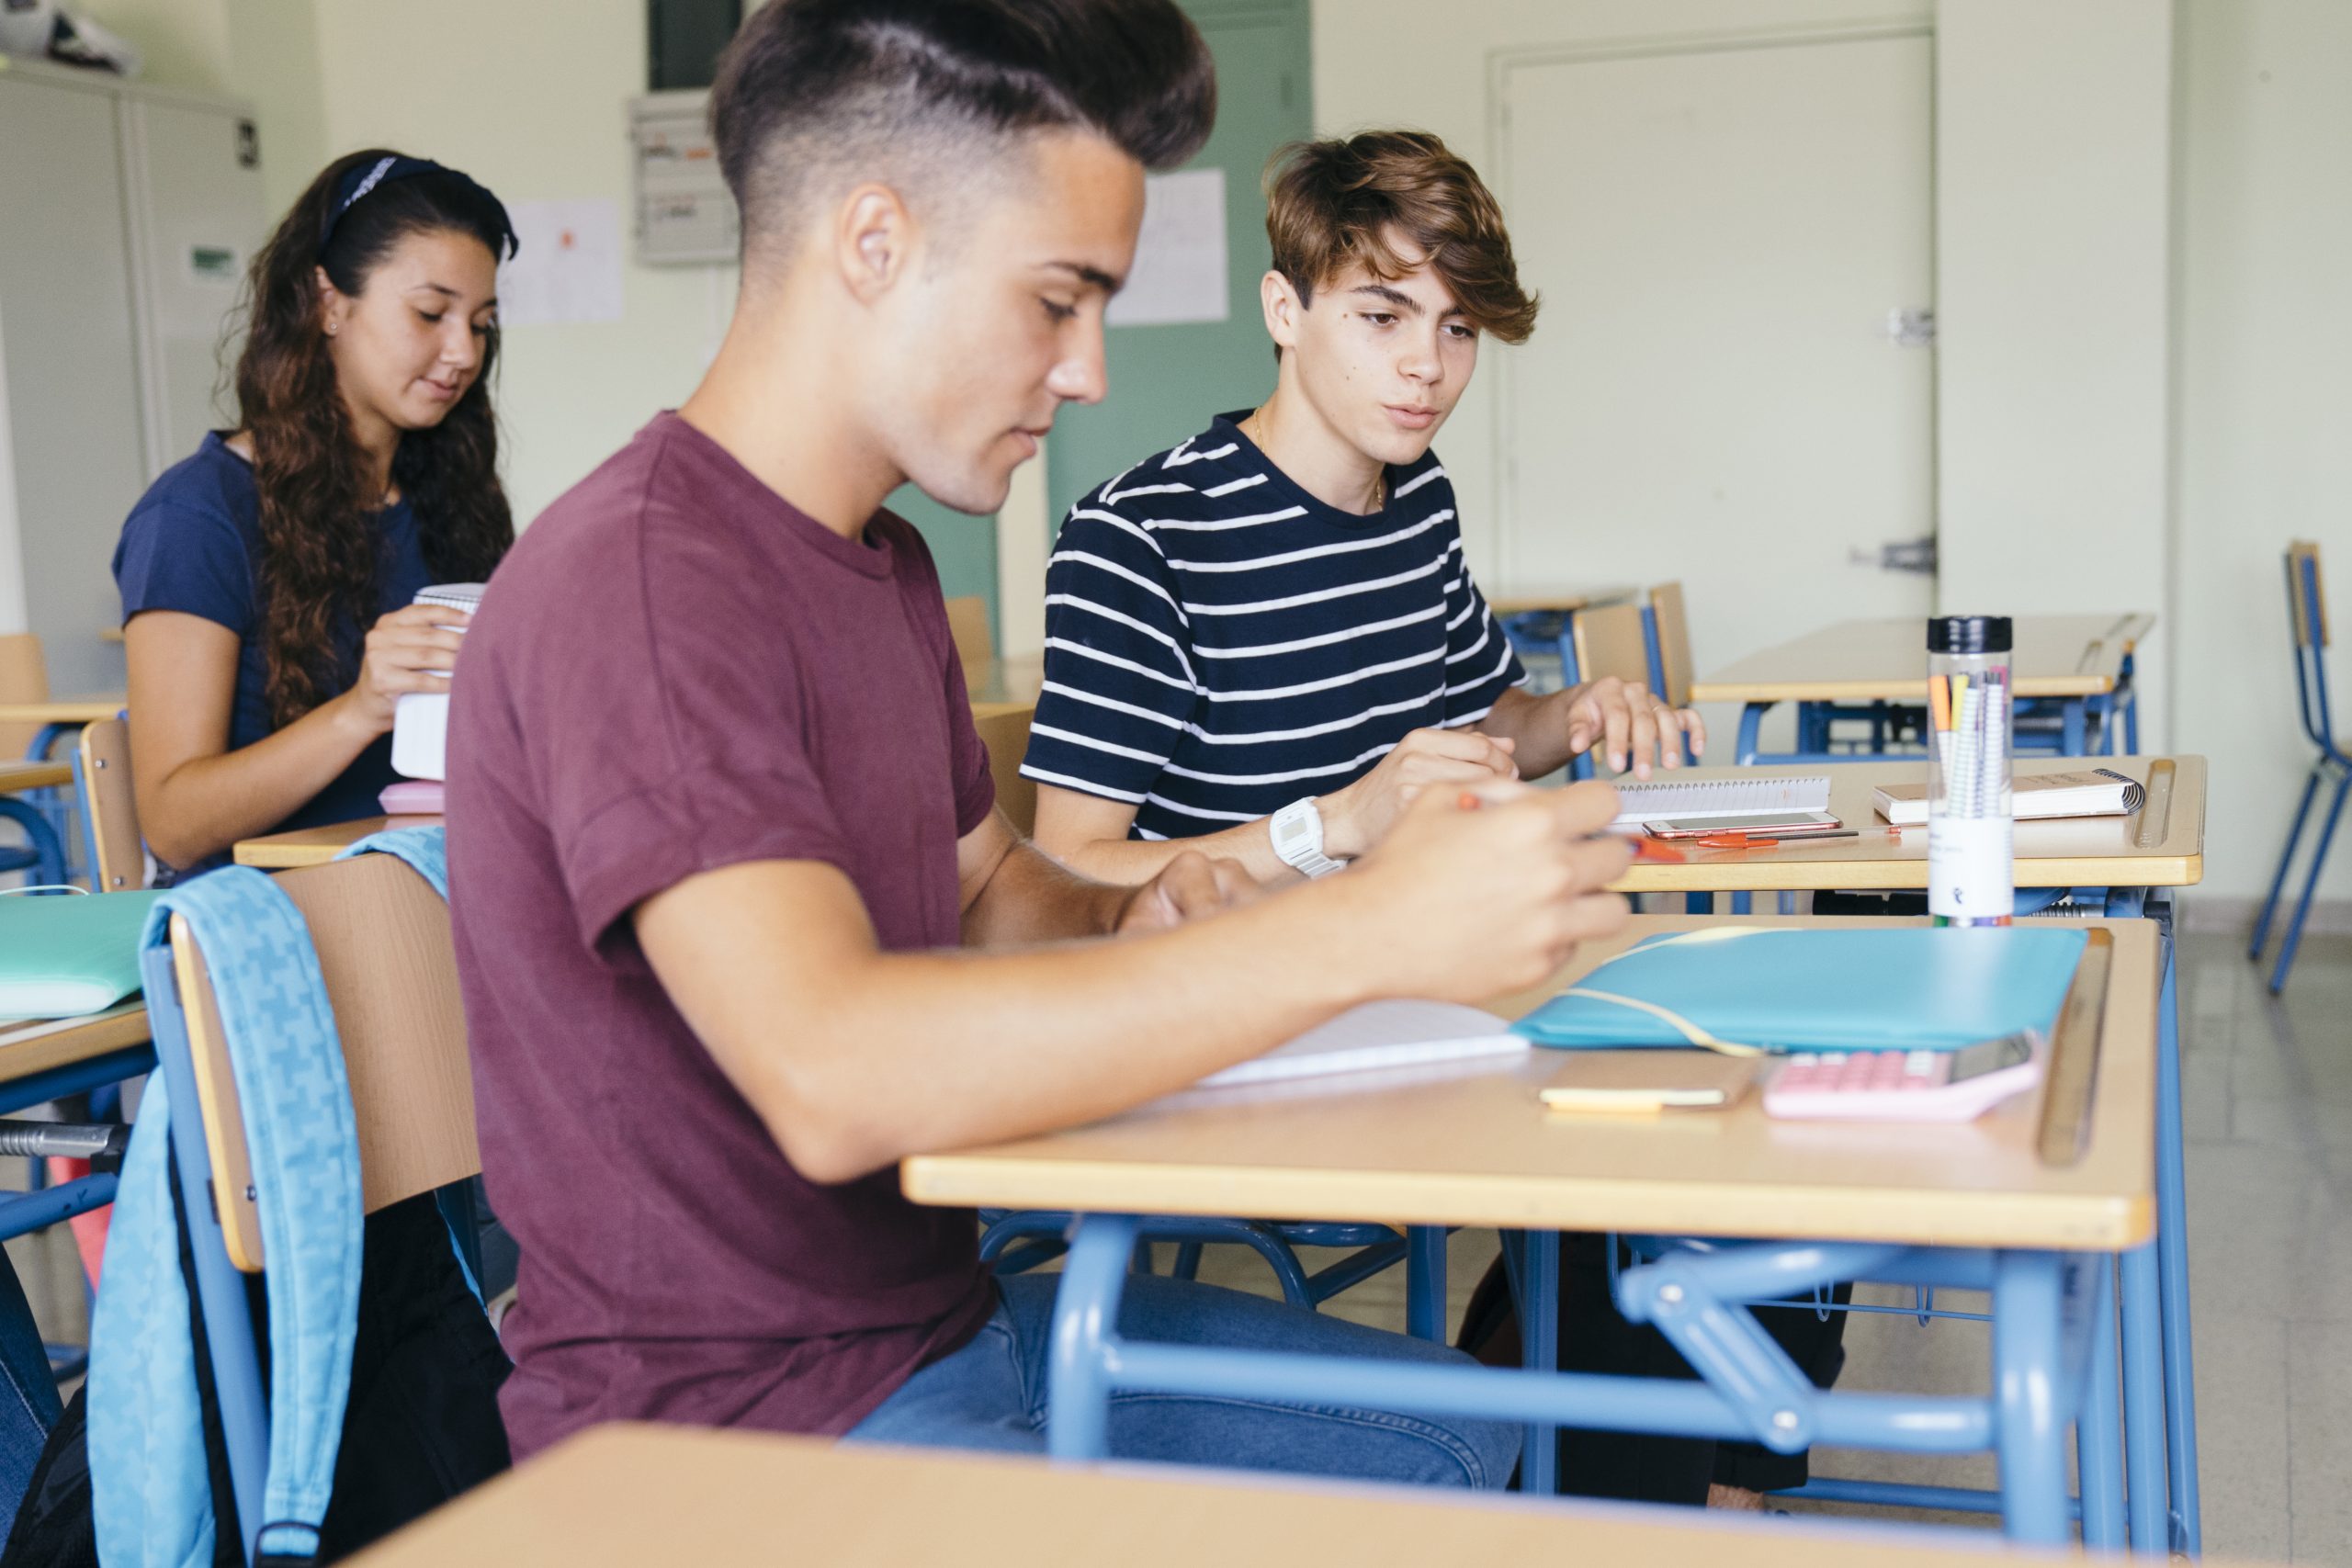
{"x": 1377, "y": 1035}
{"x": 1666, "y": 800}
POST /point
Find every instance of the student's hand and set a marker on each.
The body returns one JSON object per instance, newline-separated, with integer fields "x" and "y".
{"x": 1468, "y": 904}
{"x": 1631, "y": 723}
{"x": 408, "y": 650}
{"x": 1357, "y": 817}
{"x": 1188, "y": 887}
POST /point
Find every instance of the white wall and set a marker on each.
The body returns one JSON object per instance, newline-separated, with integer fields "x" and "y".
{"x": 2265, "y": 401}
{"x": 2053, "y": 311}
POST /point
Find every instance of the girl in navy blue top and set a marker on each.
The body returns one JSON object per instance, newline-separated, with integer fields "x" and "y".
{"x": 266, "y": 581}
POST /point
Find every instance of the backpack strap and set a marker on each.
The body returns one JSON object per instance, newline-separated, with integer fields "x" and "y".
{"x": 302, "y": 1140}
{"x": 426, "y": 850}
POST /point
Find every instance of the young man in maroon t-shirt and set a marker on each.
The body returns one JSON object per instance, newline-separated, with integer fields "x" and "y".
{"x": 721, "y": 833}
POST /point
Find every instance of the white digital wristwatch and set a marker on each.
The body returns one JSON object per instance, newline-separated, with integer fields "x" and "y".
{"x": 1298, "y": 839}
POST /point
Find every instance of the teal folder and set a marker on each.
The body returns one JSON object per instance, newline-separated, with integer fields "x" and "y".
{"x": 1927, "y": 989}
{"x": 62, "y": 956}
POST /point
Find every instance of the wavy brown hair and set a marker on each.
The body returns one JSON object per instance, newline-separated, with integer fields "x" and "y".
{"x": 1332, "y": 202}
{"x": 318, "y": 574}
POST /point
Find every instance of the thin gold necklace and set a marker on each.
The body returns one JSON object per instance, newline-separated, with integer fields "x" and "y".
{"x": 1255, "y": 429}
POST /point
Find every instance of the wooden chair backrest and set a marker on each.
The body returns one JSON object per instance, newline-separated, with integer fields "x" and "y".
{"x": 382, "y": 938}
{"x": 1608, "y": 641}
{"x": 24, "y": 678}
{"x": 1007, "y": 736}
{"x": 2306, "y": 635}
{"x": 967, "y": 622}
{"x": 119, "y": 854}
{"x": 1673, "y": 643}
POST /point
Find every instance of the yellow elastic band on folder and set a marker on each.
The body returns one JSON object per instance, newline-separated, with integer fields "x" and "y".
{"x": 1689, "y": 1031}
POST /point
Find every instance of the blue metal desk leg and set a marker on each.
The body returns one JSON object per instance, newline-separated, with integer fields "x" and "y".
{"x": 1086, "y": 1310}
{"x": 1751, "y": 725}
{"x": 2073, "y": 727}
{"x": 2172, "y": 1268}
{"x": 1539, "y": 1324}
{"x": 2144, "y": 1399}
{"x": 2028, "y": 1400}
{"x": 2098, "y": 1435}
{"x": 1425, "y": 1283}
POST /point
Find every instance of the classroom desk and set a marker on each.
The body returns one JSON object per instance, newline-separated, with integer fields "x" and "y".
{"x": 57, "y": 715}
{"x": 2134, "y": 860}
{"x": 998, "y": 687}
{"x": 2077, "y": 661}
{"x": 1564, "y": 601}
{"x": 49, "y": 1057}
{"x": 316, "y": 846}
{"x": 2163, "y": 845}
{"x": 635, "y": 1495}
{"x": 1977, "y": 1202}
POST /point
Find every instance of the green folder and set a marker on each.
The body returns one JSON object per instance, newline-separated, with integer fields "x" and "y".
{"x": 66, "y": 955}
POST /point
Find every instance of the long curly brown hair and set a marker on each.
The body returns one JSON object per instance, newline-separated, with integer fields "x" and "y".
{"x": 317, "y": 579}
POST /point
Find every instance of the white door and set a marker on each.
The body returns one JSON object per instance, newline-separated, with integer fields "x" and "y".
{"x": 1714, "y": 392}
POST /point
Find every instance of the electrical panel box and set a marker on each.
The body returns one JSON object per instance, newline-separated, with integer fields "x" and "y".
{"x": 685, "y": 214}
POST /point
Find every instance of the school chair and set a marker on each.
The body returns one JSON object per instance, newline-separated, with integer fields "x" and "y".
{"x": 1006, "y": 735}
{"x": 967, "y": 623}
{"x": 1667, "y": 627}
{"x": 2307, "y": 614}
{"x": 379, "y": 932}
{"x": 1607, "y": 639}
{"x": 110, "y": 809}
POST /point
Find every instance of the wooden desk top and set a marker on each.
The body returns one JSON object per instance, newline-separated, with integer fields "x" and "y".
{"x": 316, "y": 846}
{"x": 1567, "y": 599}
{"x": 38, "y": 1047}
{"x": 34, "y": 775}
{"x": 633, "y": 1494}
{"x": 2161, "y": 846}
{"x": 1470, "y": 1144}
{"x": 997, "y": 687}
{"x": 64, "y": 710}
{"x": 2056, "y": 655}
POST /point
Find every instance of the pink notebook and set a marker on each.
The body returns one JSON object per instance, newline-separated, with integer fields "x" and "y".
{"x": 412, "y": 797}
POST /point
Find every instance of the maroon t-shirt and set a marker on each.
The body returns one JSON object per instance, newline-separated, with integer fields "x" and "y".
{"x": 676, "y": 670}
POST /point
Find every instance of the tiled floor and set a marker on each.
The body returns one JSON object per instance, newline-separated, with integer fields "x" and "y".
{"x": 2269, "y": 1100}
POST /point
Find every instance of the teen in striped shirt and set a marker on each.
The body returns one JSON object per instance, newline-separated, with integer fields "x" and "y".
{"x": 1273, "y": 620}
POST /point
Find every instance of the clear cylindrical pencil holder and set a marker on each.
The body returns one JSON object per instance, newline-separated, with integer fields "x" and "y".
{"x": 1972, "y": 877}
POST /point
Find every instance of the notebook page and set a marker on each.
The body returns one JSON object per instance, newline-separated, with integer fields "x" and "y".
{"x": 1669, "y": 800}
{"x": 1377, "y": 1035}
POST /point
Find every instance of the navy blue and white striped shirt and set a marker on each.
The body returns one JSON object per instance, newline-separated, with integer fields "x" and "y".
{"x": 1219, "y": 643}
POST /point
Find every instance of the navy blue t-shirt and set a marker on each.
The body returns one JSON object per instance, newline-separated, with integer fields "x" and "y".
{"x": 193, "y": 544}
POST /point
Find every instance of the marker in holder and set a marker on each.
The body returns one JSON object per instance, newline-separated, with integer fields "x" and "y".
{"x": 1972, "y": 873}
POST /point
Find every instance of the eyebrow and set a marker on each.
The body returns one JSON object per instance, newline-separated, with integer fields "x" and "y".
{"x": 448, "y": 293}
{"x": 1089, "y": 274}
{"x": 1401, "y": 299}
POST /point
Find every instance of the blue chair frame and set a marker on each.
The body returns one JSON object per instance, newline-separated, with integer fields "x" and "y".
{"x": 2330, "y": 766}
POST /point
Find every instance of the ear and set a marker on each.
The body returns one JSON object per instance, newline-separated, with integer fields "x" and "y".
{"x": 874, "y": 238}
{"x": 1283, "y": 308}
{"x": 333, "y": 304}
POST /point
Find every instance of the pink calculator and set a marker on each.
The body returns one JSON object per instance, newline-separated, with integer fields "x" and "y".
{"x": 1903, "y": 1086}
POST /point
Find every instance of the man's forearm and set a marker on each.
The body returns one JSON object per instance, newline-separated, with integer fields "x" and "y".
{"x": 1031, "y": 897}
{"x": 1135, "y": 861}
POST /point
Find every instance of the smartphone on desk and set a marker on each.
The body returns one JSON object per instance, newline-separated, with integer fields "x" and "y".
{"x": 1756, "y": 825}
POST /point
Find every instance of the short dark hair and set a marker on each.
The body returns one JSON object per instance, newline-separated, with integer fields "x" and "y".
{"x": 811, "y": 89}
{"x": 1332, "y": 202}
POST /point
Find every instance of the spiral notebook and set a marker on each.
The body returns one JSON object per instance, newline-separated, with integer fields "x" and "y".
{"x": 1668, "y": 800}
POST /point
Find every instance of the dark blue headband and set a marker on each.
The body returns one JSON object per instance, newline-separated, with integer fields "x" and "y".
{"x": 361, "y": 178}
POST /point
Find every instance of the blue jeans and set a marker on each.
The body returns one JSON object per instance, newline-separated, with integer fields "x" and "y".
{"x": 991, "y": 1393}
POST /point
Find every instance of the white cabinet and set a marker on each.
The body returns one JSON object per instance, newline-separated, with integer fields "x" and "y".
{"x": 127, "y": 217}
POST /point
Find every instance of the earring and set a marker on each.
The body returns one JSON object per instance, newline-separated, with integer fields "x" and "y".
{"x": 330, "y": 328}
